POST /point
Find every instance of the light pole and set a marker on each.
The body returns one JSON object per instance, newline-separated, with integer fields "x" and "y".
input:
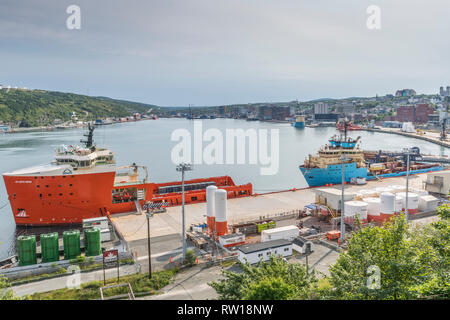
{"x": 343, "y": 158}
{"x": 148, "y": 242}
{"x": 183, "y": 167}
{"x": 408, "y": 153}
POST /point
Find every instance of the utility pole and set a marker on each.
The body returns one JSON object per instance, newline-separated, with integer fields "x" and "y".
{"x": 408, "y": 154}
{"x": 148, "y": 242}
{"x": 343, "y": 158}
{"x": 182, "y": 167}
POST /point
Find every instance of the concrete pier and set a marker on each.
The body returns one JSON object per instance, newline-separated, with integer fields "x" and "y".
{"x": 432, "y": 137}
{"x": 133, "y": 227}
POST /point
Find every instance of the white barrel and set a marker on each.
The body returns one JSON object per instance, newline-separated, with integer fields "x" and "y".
{"x": 413, "y": 200}
{"x": 210, "y": 208}
{"x": 220, "y": 205}
{"x": 373, "y": 206}
{"x": 355, "y": 209}
{"x": 387, "y": 203}
{"x": 367, "y": 193}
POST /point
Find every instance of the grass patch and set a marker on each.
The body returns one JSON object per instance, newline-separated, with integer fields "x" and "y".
{"x": 228, "y": 263}
{"x": 91, "y": 290}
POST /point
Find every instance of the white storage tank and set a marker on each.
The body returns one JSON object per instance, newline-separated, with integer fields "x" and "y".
{"x": 210, "y": 207}
{"x": 354, "y": 209}
{"x": 413, "y": 202}
{"x": 373, "y": 208}
{"x": 387, "y": 205}
{"x": 428, "y": 203}
{"x": 220, "y": 208}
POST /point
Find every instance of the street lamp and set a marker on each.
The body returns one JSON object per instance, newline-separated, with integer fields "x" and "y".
{"x": 148, "y": 214}
{"x": 183, "y": 167}
{"x": 343, "y": 158}
{"x": 408, "y": 153}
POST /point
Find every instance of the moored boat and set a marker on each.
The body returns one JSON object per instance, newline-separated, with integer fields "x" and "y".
{"x": 84, "y": 182}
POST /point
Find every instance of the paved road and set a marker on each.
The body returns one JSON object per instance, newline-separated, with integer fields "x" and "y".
{"x": 191, "y": 284}
{"x": 63, "y": 282}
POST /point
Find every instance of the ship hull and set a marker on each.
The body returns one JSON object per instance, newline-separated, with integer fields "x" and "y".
{"x": 299, "y": 125}
{"x": 316, "y": 177}
{"x": 332, "y": 174}
{"x": 68, "y": 199}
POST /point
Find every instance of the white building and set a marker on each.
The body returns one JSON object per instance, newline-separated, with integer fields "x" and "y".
{"x": 302, "y": 245}
{"x": 321, "y": 108}
{"x": 286, "y": 233}
{"x": 438, "y": 182}
{"x": 253, "y": 253}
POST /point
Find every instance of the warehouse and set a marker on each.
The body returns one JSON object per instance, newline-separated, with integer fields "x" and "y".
{"x": 254, "y": 253}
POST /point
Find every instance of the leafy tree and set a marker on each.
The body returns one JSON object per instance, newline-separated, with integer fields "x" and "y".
{"x": 5, "y": 290}
{"x": 275, "y": 279}
{"x": 190, "y": 257}
{"x": 402, "y": 263}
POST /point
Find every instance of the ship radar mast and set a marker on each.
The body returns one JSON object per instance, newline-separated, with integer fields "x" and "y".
{"x": 90, "y": 141}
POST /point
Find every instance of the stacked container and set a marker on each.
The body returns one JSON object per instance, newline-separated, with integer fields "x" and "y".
{"x": 373, "y": 208}
{"x": 92, "y": 242}
{"x": 71, "y": 240}
{"x": 50, "y": 247}
{"x": 26, "y": 249}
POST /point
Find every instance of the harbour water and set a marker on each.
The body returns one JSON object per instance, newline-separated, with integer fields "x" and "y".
{"x": 149, "y": 143}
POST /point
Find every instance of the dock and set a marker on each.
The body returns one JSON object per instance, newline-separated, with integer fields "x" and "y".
{"x": 168, "y": 225}
{"x": 432, "y": 137}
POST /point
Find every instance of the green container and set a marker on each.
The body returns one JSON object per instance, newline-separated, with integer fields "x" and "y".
{"x": 262, "y": 226}
{"x": 92, "y": 242}
{"x": 272, "y": 224}
{"x": 71, "y": 240}
{"x": 26, "y": 249}
{"x": 50, "y": 247}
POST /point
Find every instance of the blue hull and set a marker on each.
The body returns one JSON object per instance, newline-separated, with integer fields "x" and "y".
{"x": 299, "y": 125}
{"x": 333, "y": 174}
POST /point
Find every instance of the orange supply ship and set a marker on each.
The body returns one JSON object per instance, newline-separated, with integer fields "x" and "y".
{"x": 350, "y": 126}
{"x": 84, "y": 182}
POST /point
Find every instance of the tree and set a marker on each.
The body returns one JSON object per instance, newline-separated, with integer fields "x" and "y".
{"x": 5, "y": 290}
{"x": 190, "y": 257}
{"x": 437, "y": 235}
{"x": 275, "y": 279}
{"x": 382, "y": 263}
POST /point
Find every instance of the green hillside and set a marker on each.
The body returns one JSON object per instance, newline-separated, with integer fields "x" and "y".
{"x": 38, "y": 107}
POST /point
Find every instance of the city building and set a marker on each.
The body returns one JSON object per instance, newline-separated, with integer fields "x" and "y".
{"x": 418, "y": 113}
{"x": 405, "y": 114}
{"x": 405, "y": 93}
{"x": 321, "y": 108}
{"x": 444, "y": 92}
{"x": 423, "y": 110}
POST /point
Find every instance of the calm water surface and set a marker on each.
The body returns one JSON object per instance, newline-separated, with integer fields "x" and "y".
{"x": 148, "y": 143}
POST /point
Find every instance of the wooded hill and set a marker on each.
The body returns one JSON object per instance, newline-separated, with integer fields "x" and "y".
{"x": 30, "y": 108}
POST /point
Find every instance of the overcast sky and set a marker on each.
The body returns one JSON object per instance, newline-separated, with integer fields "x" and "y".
{"x": 211, "y": 52}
